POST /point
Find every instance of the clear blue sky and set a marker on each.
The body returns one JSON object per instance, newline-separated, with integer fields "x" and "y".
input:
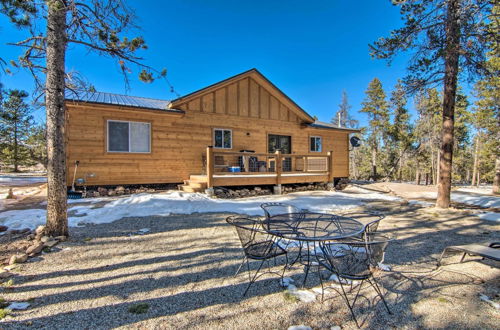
{"x": 312, "y": 50}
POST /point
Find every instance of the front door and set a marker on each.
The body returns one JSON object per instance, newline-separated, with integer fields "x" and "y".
{"x": 284, "y": 144}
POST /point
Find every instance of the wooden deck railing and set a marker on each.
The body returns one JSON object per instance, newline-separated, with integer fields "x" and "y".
{"x": 228, "y": 163}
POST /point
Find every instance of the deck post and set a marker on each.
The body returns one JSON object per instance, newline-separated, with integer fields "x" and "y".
{"x": 279, "y": 166}
{"x": 210, "y": 167}
{"x": 330, "y": 166}
{"x": 305, "y": 163}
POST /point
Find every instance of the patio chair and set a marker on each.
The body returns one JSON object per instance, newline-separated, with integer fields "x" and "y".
{"x": 256, "y": 245}
{"x": 492, "y": 251}
{"x": 354, "y": 261}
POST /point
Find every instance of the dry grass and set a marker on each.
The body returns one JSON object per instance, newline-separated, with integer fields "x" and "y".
{"x": 183, "y": 271}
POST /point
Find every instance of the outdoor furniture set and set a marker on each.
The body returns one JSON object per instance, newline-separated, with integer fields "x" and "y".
{"x": 342, "y": 245}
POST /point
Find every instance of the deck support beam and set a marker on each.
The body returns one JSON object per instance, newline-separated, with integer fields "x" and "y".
{"x": 210, "y": 167}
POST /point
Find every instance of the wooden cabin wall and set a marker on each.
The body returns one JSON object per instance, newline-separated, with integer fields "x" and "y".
{"x": 179, "y": 141}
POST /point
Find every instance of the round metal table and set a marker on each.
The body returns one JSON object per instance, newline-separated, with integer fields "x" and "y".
{"x": 309, "y": 226}
{"x": 311, "y": 230}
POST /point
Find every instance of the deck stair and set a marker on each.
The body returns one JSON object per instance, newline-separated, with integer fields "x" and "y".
{"x": 196, "y": 183}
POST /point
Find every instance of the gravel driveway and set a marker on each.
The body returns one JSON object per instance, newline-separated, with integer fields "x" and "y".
{"x": 182, "y": 270}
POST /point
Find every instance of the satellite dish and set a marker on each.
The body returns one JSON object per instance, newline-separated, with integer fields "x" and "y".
{"x": 355, "y": 141}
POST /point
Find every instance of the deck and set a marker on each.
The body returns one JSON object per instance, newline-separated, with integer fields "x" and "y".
{"x": 242, "y": 168}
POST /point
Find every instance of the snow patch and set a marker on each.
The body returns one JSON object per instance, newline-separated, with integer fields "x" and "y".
{"x": 490, "y": 216}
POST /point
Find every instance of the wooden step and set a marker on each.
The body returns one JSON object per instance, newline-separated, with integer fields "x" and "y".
{"x": 197, "y": 178}
{"x": 187, "y": 188}
{"x": 197, "y": 185}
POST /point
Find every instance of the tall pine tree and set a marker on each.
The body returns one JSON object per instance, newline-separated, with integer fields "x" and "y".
{"x": 15, "y": 124}
{"x": 376, "y": 107}
{"x": 443, "y": 36}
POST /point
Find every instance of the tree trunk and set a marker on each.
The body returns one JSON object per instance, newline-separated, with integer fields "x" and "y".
{"x": 437, "y": 167}
{"x": 475, "y": 164}
{"x": 374, "y": 163}
{"x": 433, "y": 167}
{"x": 450, "y": 90}
{"x": 496, "y": 179}
{"x": 57, "y": 219}
{"x": 16, "y": 146}
{"x": 417, "y": 175}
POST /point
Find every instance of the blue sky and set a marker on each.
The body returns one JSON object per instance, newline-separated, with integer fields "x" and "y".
{"x": 312, "y": 50}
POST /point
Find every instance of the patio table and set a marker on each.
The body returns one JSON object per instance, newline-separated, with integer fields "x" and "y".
{"x": 312, "y": 230}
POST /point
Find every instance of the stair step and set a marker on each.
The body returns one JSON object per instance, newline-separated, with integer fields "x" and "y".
{"x": 198, "y": 178}
{"x": 187, "y": 188}
{"x": 197, "y": 185}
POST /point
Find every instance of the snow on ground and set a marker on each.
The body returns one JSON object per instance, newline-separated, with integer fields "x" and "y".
{"x": 162, "y": 204}
{"x": 18, "y": 180}
{"x": 463, "y": 196}
{"x": 490, "y": 216}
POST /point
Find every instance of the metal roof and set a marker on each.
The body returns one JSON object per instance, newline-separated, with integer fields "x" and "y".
{"x": 322, "y": 124}
{"x": 118, "y": 99}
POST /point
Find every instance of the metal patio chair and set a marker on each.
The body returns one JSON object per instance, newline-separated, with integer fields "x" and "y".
{"x": 492, "y": 251}
{"x": 354, "y": 261}
{"x": 257, "y": 245}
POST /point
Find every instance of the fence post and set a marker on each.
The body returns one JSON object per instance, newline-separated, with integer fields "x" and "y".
{"x": 210, "y": 167}
{"x": 330, "y": 166}
{"x": 305, "y": 163}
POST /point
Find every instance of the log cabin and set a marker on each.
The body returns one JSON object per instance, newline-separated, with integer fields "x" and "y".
{"x": 240, "y": 131}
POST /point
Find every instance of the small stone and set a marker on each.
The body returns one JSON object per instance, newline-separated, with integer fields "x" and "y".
{"x": 34, "y": 249}
{"x": 111, "y": 192}
{"x": 40, "y": 230}
{"x": 299, "y": 327}
{"x": 50, "y": 243}
{"x": 44, "y": 239}
{"x": 120, "y": 188}
{"x": 102, "y": 191}
{"x": 61, "y": 238}
{"x": 30, "y": 237}
{"x": 335, "y": 327}
{"x": 3, "y": 228}
{"x": 18, "y": 259}
{"x": 5, "y": 274}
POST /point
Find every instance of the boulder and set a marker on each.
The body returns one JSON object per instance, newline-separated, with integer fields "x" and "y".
{"x": 40, "y": 230}
{"x": 50, "y": 243}
{"x": 102, "y": 191}
{"x": 44, "y": 239}
{"x": 3, "y": 228}
{"x": 18, "y": 258}
{"x": 35, "y": 248}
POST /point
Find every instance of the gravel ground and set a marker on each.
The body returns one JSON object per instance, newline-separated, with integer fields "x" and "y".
{"x": 183, "y": 270}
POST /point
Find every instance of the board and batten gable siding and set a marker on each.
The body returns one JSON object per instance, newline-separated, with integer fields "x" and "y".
{"x": 178, "y": 141}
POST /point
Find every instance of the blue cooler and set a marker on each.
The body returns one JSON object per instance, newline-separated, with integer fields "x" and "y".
{"x": 234, "y": 169}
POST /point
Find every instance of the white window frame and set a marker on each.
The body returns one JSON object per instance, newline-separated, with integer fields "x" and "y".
{"x": 321, "y": 143}
{"x": 223, "y": 129}
{"x": 129, "y": 132}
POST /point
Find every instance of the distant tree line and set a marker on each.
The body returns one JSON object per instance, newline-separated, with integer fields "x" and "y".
{"x": 395, "y": 147}
{"x": 22, "y": 141}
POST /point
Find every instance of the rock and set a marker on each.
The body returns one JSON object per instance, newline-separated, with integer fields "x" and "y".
{"x": 3, "y": 228}
{"x": 127, "y": 191}
{"x": 61, "y": 238}
{"x": 102, "y": 191}
{"x": 40, "y": 230}
{"x": 10, "y": 195}
{"x": 335, "y": 327}
{"x": 96, "y": 194}
{"x": 257, "y": 189}
{"x": 120, "y": 188}
{"x": 25, "y": 230}
{"x": 5, "y": 274}
{"x": 30, "y": 237}
{"x": 36, "y": 248}
{"x": 44, "y": 239}
{"x": 111, "y": 192}
{"x": 50, "y": 243}
{"x": 18, "y": 259}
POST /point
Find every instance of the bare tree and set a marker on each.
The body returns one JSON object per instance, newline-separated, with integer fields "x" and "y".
{"x": 51, "y": 25}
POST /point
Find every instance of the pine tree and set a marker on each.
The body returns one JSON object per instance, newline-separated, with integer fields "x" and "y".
{"x": 15, "y": 123}
{"x": 443, "y": 36}
{"x": 51, "y": 26}
{"x": 401, "y": 131}
{"x": 375, "y": 106}
{"x": 342, "y": 117}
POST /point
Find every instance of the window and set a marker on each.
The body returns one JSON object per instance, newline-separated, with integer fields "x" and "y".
{"x": 316, "y": 144}
{"x": 223, "y": 138}
{"x": 129, "y": 136}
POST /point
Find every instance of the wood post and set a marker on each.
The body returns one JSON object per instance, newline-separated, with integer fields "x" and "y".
{"x": 279, "y": 166}
{"x": 305, "y": 163}
{"x": 330, "y": 166}
{"x": 210, "y": 166}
